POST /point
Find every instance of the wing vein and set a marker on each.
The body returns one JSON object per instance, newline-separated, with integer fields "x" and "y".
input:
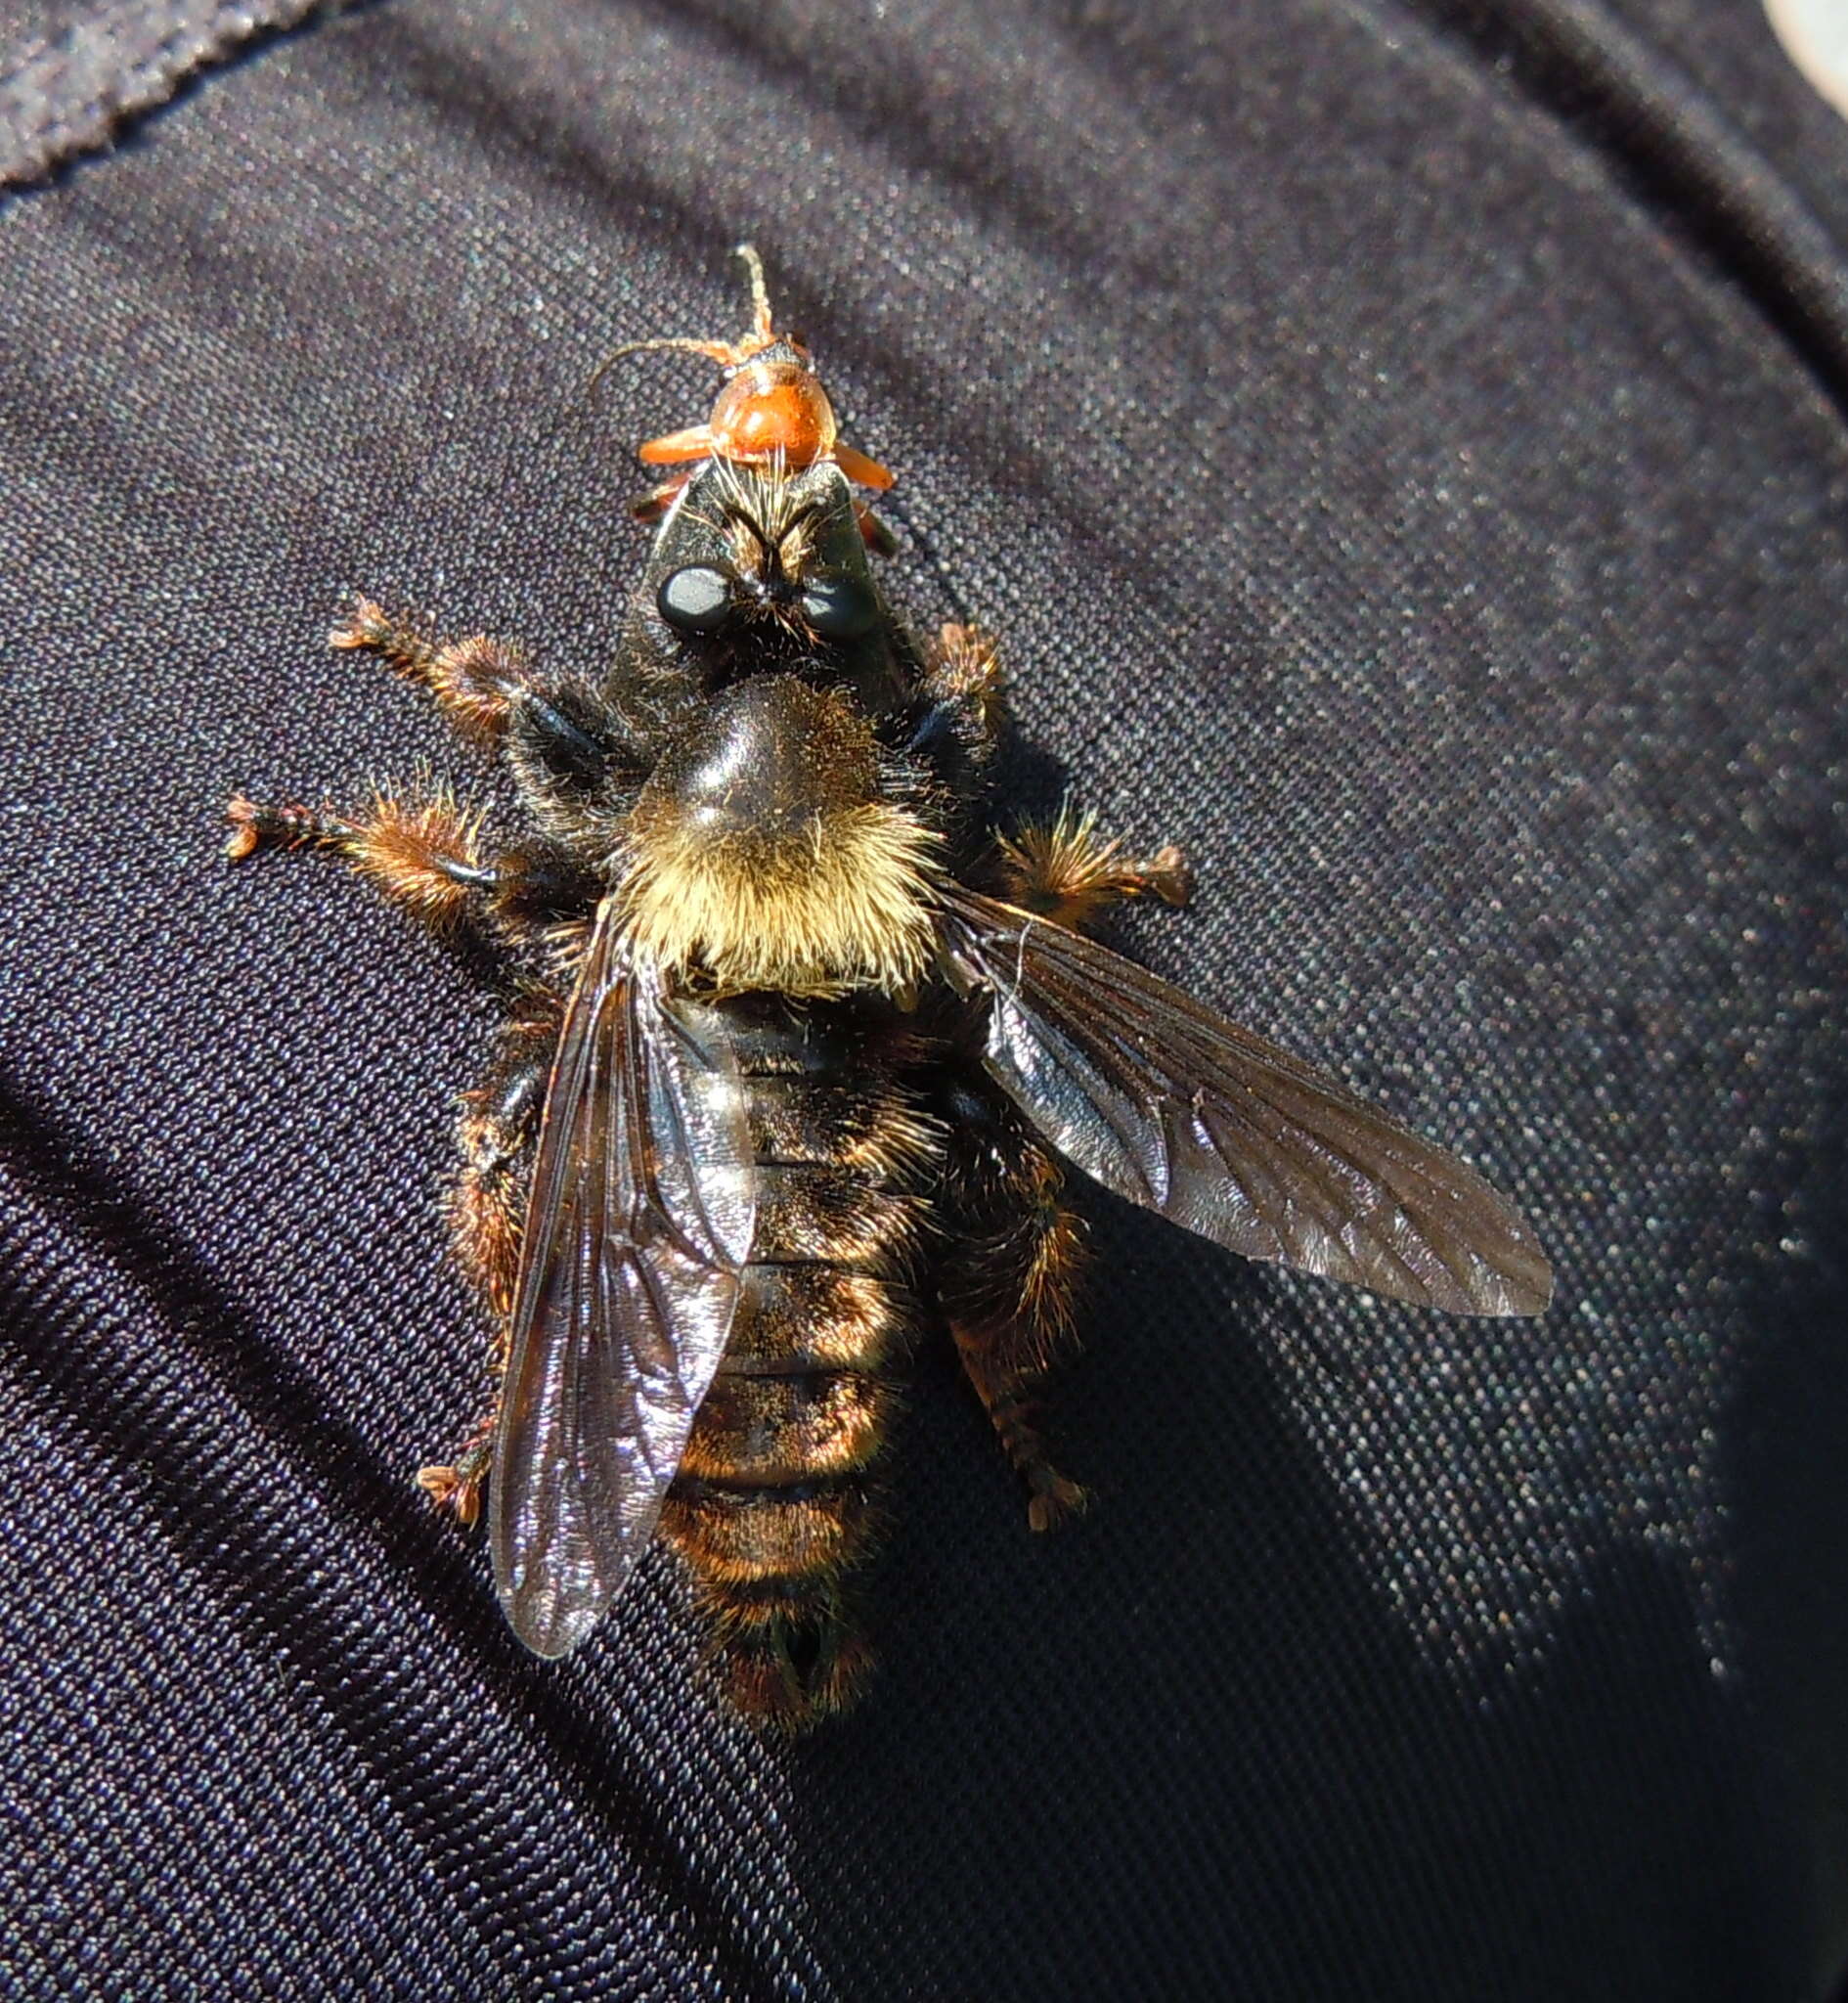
{"x": 1224, "y": 1132}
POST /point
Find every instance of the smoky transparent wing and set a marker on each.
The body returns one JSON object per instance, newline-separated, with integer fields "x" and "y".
{"x": 1174, "y": 1107}
{"x": 639, "y": 1219}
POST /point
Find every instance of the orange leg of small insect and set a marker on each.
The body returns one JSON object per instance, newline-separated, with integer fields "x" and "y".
{"x": 862, "y": 470}
{"x": 487, "y": 1208}
{"x": 676, "y": 446}
{"x": 473, "y": 680}
{"x": 873, "y": 532}
{"x": 655, "y": 503}
{"x": 1067, "y": 872}
{"x": 1008, "y": 1288}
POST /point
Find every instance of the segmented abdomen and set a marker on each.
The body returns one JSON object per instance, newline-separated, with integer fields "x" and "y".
{"x": 774, "y": 1499}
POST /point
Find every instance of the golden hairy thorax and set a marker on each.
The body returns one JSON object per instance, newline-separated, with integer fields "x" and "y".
{"x": 761, "y": 856}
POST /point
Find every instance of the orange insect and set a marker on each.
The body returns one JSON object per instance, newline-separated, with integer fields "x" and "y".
{"x": 771, "y": 413}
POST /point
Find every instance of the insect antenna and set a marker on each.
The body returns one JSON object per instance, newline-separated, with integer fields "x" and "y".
{"x": 763, "y": 324}
{"x": 718, "y": 351}
{"x": 728, "y": 354}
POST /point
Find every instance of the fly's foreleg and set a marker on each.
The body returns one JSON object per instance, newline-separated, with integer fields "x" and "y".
{"x": 486, "y": 1208}
{"x": 559, "y": 729}
{"x": 474, "y": 681}
{"x": 1008, "y": 1283}
{"x": 1066, "y": 870}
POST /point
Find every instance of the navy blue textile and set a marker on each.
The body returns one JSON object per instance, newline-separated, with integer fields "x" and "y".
{"x": 1401, "y": 446}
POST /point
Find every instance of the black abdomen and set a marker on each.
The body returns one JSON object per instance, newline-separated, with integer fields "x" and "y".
{"x": 771, "y": 1507}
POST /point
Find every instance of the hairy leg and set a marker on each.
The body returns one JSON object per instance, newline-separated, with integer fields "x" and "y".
{"x": 559, "y": 727}
{"x": 964, "y": 714}
{"x": 474, "y": 681}
{"x": 1067, "y": 872}
{"x": 425, "y": 855}
{"x": 1007, "y": 1283}
{"x": 487, "y": 1208}
{"x": 963, "y": 669}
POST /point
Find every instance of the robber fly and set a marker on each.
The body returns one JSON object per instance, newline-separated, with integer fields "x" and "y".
{"x": 802, "y": 1053}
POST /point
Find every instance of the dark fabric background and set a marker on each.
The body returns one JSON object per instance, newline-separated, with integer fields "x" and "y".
{"x": 1402, "y": 446}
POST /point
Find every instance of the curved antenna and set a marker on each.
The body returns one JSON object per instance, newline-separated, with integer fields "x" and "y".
{"x": 726, "y": 353}
{"x": 718, "y": 351}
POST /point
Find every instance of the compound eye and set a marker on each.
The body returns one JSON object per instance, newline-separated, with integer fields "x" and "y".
{"x": 839, "y": 608}
{"x": 697, "y": 599}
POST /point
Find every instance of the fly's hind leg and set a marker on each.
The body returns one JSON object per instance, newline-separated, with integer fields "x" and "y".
{"x": 1008, "y": 1282}
{"x": 486, "y": 1208}
{"x": 500, "y": 1120}
{"x": 1066, "y": 870}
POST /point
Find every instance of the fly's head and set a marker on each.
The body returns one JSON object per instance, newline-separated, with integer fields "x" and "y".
{"x": 743, "y": 765}
{"x": 768, "y": 559}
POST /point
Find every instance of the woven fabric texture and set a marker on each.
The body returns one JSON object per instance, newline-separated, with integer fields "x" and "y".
{"x": 71, "y": 74}
{"x": 1401, "y": 446}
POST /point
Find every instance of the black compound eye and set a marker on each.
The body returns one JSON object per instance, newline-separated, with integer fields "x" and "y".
{"x": 695, "y": 600}
{"x": 839, "y": 608}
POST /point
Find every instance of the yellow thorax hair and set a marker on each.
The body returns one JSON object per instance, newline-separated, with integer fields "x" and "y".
{"x": 841, "y": 903}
